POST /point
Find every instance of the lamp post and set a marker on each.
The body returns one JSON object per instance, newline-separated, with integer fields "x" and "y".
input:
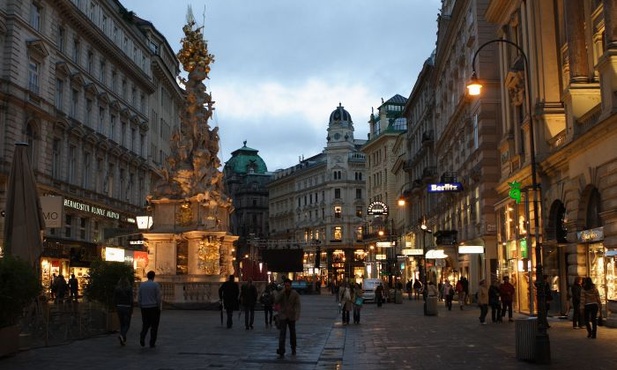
{"x": 424, "y": 277}
{"x": 542, "y": 351}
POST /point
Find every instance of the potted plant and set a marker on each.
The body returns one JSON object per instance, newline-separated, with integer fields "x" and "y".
{"x": 102, "y": 280}
{"x": 19, "y": 286}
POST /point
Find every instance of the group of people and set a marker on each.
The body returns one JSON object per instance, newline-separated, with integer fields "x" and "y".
{"x": 59, "y": 288}
{"x": 498, "y": 296}
{"x": 285, "y": 303}
{"x": 351, "y": 300}
{"x": 586, "y": 305}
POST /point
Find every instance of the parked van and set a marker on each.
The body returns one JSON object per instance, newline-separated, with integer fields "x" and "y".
{"x": 368, "y": 288}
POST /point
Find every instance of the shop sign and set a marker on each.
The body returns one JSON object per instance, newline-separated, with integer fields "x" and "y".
{"x": 98, "y": 211}
{"x": 383, "y": 244}
{"x": 411, "y": 252}
{"x": 524, "y": 249}
{"x": 377, "y": 208}
{"x": 445, "y": 187}
{"x": 52, "y": 210}
{"x": 114, "y": 254}
{"x": 591, "y": 235}
{"x": 380, "y": 257}
{"x": 470, "y": 249}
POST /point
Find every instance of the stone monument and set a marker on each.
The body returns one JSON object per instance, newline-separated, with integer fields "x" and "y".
{"x": 189, "y": 241}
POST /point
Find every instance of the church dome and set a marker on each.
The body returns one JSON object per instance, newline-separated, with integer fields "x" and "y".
{"x": 245, "y": 160}
{"x": 340, "y": 114}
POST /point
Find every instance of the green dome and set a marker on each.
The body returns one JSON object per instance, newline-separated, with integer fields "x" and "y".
{"x": 245, "y": 160}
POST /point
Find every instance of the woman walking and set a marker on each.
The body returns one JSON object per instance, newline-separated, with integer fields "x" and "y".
{"x": 591, "y": 305}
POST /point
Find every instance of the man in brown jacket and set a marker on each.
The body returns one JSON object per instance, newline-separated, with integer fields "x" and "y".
{"x": 288, "y": 302}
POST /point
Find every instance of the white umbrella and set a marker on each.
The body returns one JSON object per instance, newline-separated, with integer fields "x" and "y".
{"x": 24, "y": 221}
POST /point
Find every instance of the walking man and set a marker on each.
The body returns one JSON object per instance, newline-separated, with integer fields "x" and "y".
{"x": 506, "y": 292}
{"x": 577, "y": 320}
{"x": 289, "y": 313}
{"x": 248, "y": 296}
{"x": 149, "y": 299}
{"x": 228, "y": 294}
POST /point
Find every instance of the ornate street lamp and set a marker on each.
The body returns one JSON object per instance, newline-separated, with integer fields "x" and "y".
{"x": 542, "y": 350}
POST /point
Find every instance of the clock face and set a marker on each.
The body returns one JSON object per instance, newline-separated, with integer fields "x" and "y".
{"x": 337, "y": 136}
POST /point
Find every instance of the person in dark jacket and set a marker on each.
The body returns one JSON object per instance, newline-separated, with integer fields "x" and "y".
{"x": 123, "y": 299}
{"x": 289, "y": 312}
{"x": 150, "y": 301}
{"x": 229, "y": 293}
{"x": 591, "y": 304}
{"x": 248, "y": 297}
{"x": 494, "y": 301}
{"x": 73, "y": 288}
{"x": 576, "y": 289}
{"x": 267, "y": 300}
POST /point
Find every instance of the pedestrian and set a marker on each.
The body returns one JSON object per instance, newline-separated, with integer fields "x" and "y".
{"x": 358, "y": 300}
{"x": 462, "y": 290}
{"x": 123, "y": 300}
{"x": 448, "y": 294}
{"x": 53, "y": 287}
{"x": 440, "y": 296}
{"x": 229, "y": 294}
{"x": 267, "y": 300}
{"x": 346, "y": 302}
{"x": 379, "y": 294}
{"x": 494, "y": 301}
{"x": 506, "y": 293}
{"x": 432, "y": 290}
{"x": 149, "y": 300}
{"x": 409, "y": 289}
{"x": 591, "y": 303}
{"x": 73, "y": 288}
{"x": 289, "y": 312}
{"x": 61, "y": 288}
{"x": 483, "y": 301}
{"x": 248, "y": 299}
{"x": 577, "y": 318}
{"x": 417, "y": 289}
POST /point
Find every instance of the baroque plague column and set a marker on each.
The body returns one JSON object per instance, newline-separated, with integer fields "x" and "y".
{"x": 189, "y": 240}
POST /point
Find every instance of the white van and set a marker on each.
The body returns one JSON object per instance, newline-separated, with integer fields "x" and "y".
{"x": 368, "y": 288}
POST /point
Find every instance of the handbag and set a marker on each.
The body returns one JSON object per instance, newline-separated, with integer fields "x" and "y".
{"x": 359, "y": 301}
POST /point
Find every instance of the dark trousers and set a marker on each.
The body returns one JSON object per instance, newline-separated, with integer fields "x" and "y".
{"x": 150, "y": 318}
{"x": 268, "y": 313}
{"x": 591, "y": 322}
{"x": 249, "y": 316}
{"x": 483, "y": 312}
{"x": 284, "y": 323}
{"x": 577, "y": 320}
{"x": 345, "y": 316}
{"x": 124, "y": 316}
{"x": 230, "y": 315}
{"x": 356, "y": 313}
{"x": 496, "y": 312}
{"x": 506, "y": 306}
{"x": 449, "y": 302}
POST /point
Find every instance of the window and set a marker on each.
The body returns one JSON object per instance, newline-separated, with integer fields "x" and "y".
{"x": 33, "y": 76}
{"x": 359, "y": 211}
{"x": 338, "y": 210}
{"x": 90, "y": 62}
{"x": 99, "y": 174}
{"x": 72, "y": 165}
{"x": 112, "y": 127}
{"x": 89, "y": 111}
{"x": 60, "y": 95}
{"x": 83, "y": 224}
{"x": 133, "y": 140}
{"x": 101, "y": 125}
{"x": 76, "y": 47}
{"x": 35, "y": 16}
{"x": 108, "y": 186}
{"x": 56, "y": 159}
{"x": 476, "y": 138}
{"x": 60, "y": 40}
{"x": 74, "y": 103}
{"x": 85, "y": 176}
{"x": 358, "y": 193}
{"x": 104, "y": 23}
{"x": 337, "y": 193}
{"x": 123, "y": 134}
{"x": 358, "y": 176}
{"x": 68, "y": 223}
{"x": 337, "y": 175}
{"x": 337, "y": 233}
{"x": 114, "y": 81}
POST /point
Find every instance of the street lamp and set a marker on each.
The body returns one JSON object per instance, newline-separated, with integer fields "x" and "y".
{"x": 424, "y": 277}
{"x": 543, "y": 354}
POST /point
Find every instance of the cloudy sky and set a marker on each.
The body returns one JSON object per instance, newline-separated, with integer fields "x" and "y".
{"x": 282, "y": 66}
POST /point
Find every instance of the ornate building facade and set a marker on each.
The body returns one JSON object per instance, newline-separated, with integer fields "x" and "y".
{"x": 91, "y": 88}
{"x": 318, "y": 205}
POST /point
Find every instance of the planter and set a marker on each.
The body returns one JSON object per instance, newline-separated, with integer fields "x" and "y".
{"x": 9, "y": 340}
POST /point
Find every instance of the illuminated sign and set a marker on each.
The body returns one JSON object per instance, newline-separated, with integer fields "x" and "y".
{"x": 380, "y": 257}
{"x": 384, "y": 244}
{"x": 470, "y": 249}
{"x": 411, "y": 252}
{"x": 98, "y": 211}
{"x": 114, "y": 254}
{"x": 377, "y": 208}
{"x": 591, "y": 235}
{"x": 445, "y": 187}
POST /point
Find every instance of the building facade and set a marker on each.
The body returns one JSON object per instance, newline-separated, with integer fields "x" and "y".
{"x": 318, "y": 205}
{"x": 91, "y": 88}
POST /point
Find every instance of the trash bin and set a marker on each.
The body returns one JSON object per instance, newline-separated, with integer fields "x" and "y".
{"x": 525, "y": 335}
{"x": 431, "y": 306}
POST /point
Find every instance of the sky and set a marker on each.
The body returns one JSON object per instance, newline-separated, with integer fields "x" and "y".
{"x": 282, "y": 66}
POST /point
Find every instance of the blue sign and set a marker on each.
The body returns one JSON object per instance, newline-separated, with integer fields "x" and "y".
{"x": 447, "y": 187}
